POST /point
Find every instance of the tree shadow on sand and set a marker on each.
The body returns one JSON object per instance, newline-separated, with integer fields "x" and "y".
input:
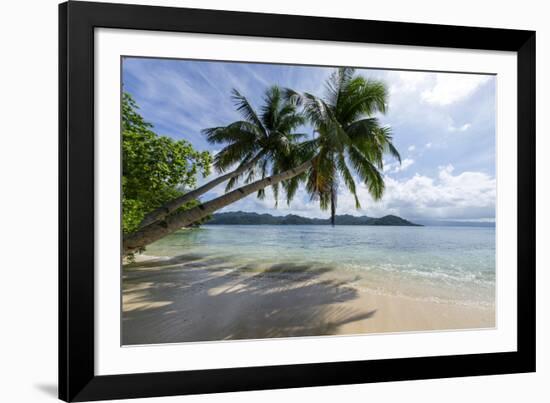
{"x": 190, "y": 298}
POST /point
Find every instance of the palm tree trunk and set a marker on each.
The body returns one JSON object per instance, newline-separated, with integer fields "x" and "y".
{"x": 160, "y": 229}
{"x": 332, "y": 206}
{"x": 332, "y": 213}
{"x": 167, "y": 208}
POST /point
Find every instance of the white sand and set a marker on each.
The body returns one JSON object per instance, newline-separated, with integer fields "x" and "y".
{"x": 190, "y": 299}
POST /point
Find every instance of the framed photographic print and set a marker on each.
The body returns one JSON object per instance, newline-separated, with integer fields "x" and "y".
{"x": 255, "y": 201}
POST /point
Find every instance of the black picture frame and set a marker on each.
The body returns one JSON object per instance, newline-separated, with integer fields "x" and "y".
{"x": 77, "y": 379}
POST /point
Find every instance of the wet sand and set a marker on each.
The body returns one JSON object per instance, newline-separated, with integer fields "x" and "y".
{"x": 191, "y": 298}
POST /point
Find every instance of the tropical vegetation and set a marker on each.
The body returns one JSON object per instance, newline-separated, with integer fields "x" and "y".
{"x": 251, "y": 144}
{"x": 155, "y": 169}
{"x": 268, "y": 152}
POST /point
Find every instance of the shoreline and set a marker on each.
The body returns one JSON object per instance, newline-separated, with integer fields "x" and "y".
{"x": 190, "y": 299}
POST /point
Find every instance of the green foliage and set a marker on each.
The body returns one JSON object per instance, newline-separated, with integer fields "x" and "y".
{"x": 349, "y": 137}
{"x": 265, "y": 137}
{"x": 155, "y": 169}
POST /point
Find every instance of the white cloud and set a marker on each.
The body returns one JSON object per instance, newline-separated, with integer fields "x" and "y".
{"x": 446, "y": 194}
{"x": 463, "y": 196}
{"x": 407, "y": 81}
{"x": 468, "y": 195}
{"x": 450, "y": 88}
{"x": 462, "y": 128}
{"x": 395, "y": 167}
{"x": 405, "y": 164}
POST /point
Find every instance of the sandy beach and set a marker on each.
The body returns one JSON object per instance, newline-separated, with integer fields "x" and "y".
{"x": 191, "y": 298}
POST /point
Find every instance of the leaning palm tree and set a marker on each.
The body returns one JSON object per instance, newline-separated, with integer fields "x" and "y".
{"x": 250, "y": 145}
{"x": 347, "y": 133}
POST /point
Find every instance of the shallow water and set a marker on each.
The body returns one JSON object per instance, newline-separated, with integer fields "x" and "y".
{"x": 442, "y": 264}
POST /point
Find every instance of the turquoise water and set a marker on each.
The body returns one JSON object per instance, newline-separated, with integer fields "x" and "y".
{"x": 447, "y": 264}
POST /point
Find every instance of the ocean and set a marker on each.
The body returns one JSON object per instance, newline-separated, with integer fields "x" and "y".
{"x": 441, "y": 264}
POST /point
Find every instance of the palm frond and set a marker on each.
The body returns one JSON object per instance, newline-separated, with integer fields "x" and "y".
{"x": 295, "y": 137}
{"x": 235, "y": 179}
{"x": 361, "y": 98}
{"x": 293, "y": 97}
{"x": 289, "y": 121}
{"x": 385, "y": 138}
{"x": 234, "y": 153}
{"x": 291, "y": 187}
{"x": 348, "y": 136}
{"x": 231, "y": 183}
{"x": 307, "y": 149}
{"x": 348, "y": 178}
{"x": 362, "y": 129}
{"x": 315, "y": 110}
{"x": 251, "y": 176}
{"x": 324, "y": 200}
{"x": 271, "y": 109}
{"x": 367, "y": 172}
{"x": 275, "y": 189}
{"x": 393, "y": 151}
{"x": 321, "y": 176}
{"x": 336, "y": 84}
{"x": 236, "y": 131}
{"x": 263, "y": 167}
{"x": 246, "y": 110}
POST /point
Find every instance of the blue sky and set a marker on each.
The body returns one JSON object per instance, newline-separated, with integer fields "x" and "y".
{"x": 443, "y": 125}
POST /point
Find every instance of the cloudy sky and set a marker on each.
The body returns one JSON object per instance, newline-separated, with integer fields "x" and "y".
{"x": 443, "y": 125}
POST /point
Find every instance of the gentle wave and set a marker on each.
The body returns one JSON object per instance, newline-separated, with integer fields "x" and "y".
{"x": 446, "y": 265}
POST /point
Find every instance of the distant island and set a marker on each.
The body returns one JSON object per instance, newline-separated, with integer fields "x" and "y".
{"x": 447, "y": 223}
{"x": 244, "y": 218}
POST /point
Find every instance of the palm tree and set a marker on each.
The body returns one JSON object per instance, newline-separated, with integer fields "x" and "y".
{"x": 158, "y": 230}
{"x": 346, "y": 133}
{"x": 251, "y": 144}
